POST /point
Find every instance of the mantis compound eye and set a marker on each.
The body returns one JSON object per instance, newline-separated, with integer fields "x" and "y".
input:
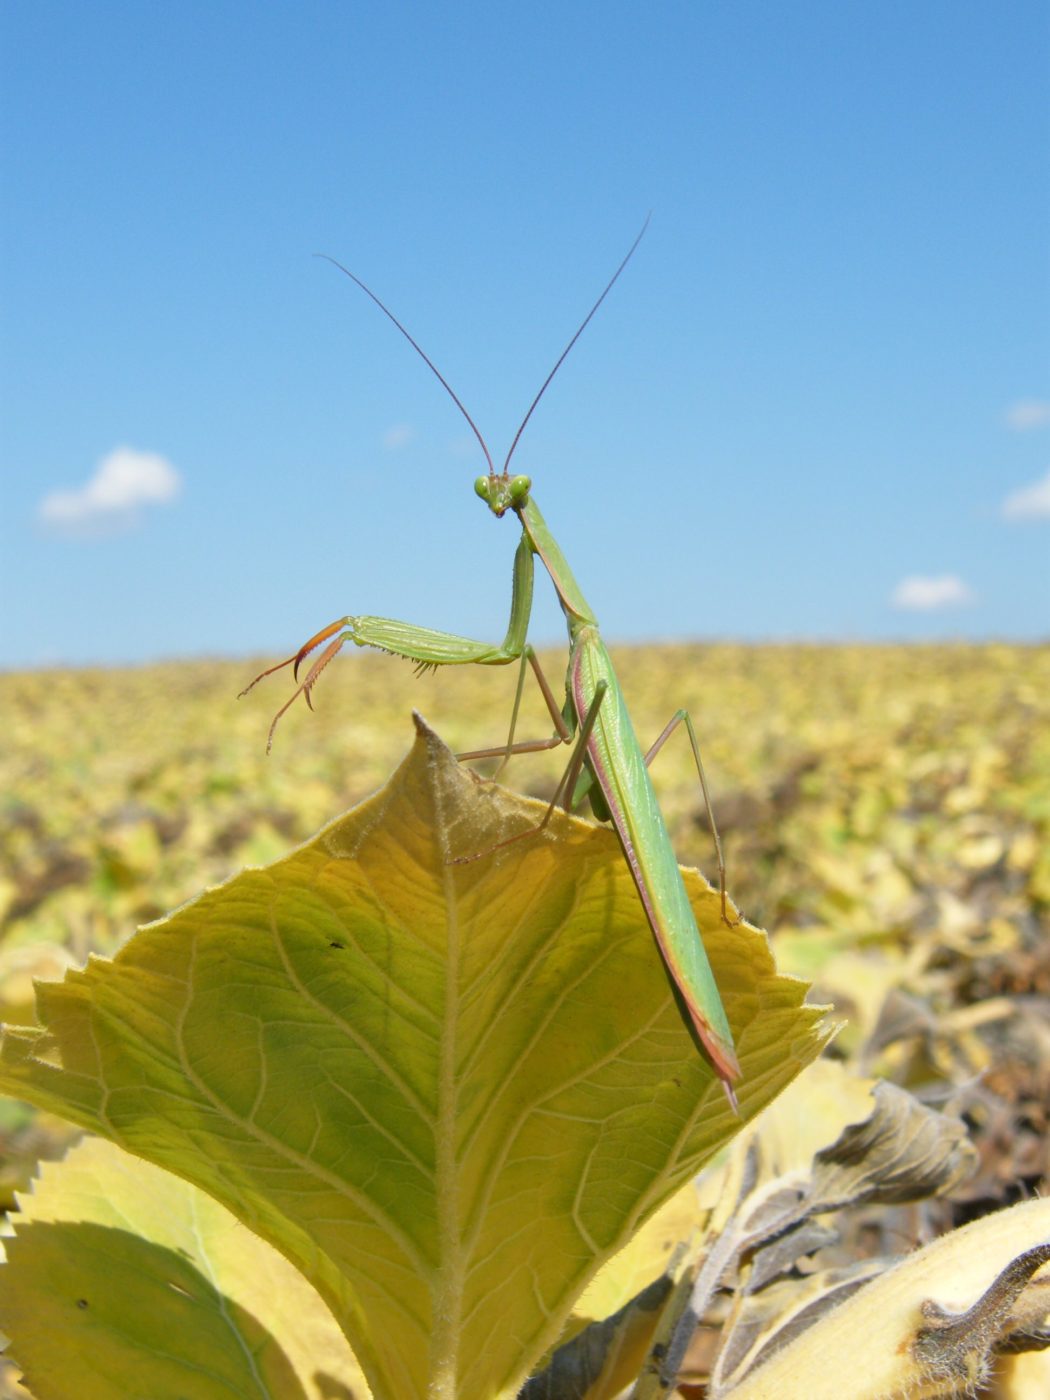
{"x": 481, "y": 486}
{"x": 520, "y": 486}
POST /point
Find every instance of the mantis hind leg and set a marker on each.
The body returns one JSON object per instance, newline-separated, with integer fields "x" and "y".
{"x": 682, "y": 717}
{"x": 563, "y": 792}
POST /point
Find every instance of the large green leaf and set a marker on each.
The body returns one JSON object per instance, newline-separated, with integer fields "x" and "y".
{"x": 448, "y": 1093}
{"x": 122, "y": 1280}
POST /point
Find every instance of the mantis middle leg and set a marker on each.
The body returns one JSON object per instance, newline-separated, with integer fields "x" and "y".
{"x": 565, "y": 786}
{"x": 562, "y": 736}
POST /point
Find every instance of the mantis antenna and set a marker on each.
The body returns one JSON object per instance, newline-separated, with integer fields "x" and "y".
{"x": 572, "y": 342}
{"x": 444, "y": 382}
{"x": 419, "y": 351}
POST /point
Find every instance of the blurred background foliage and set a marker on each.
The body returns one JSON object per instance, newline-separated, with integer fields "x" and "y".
{"x": 884, "y": 811}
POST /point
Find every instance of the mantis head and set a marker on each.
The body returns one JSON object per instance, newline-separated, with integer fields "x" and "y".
{"x": 502, "y": 492}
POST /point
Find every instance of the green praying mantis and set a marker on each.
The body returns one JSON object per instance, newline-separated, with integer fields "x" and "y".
{"x": 607, "y": 765}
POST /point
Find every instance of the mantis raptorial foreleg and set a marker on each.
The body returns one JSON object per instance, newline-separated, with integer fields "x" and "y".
{"x": 424, "y": 645}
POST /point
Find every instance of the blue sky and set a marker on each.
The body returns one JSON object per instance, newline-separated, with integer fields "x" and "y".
{"x": 815, "y": 406}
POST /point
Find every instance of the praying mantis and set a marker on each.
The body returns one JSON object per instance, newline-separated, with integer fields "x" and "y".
{"x": 607, "y": 765}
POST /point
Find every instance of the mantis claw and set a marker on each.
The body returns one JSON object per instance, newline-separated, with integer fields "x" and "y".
{"x": 262, "y": 676}
{"x": 315, "y": 641}
{"x": 307, "y": 685}
{"x": 295, "y": 661}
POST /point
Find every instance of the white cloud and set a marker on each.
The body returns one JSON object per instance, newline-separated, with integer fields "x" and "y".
{"x": 397, "y": 437}
{"x": 925, "y": 593}
{"x": 1030, "y": 502}
{"x": 1027, "y": 413}
{"x": 123, "y": 481}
